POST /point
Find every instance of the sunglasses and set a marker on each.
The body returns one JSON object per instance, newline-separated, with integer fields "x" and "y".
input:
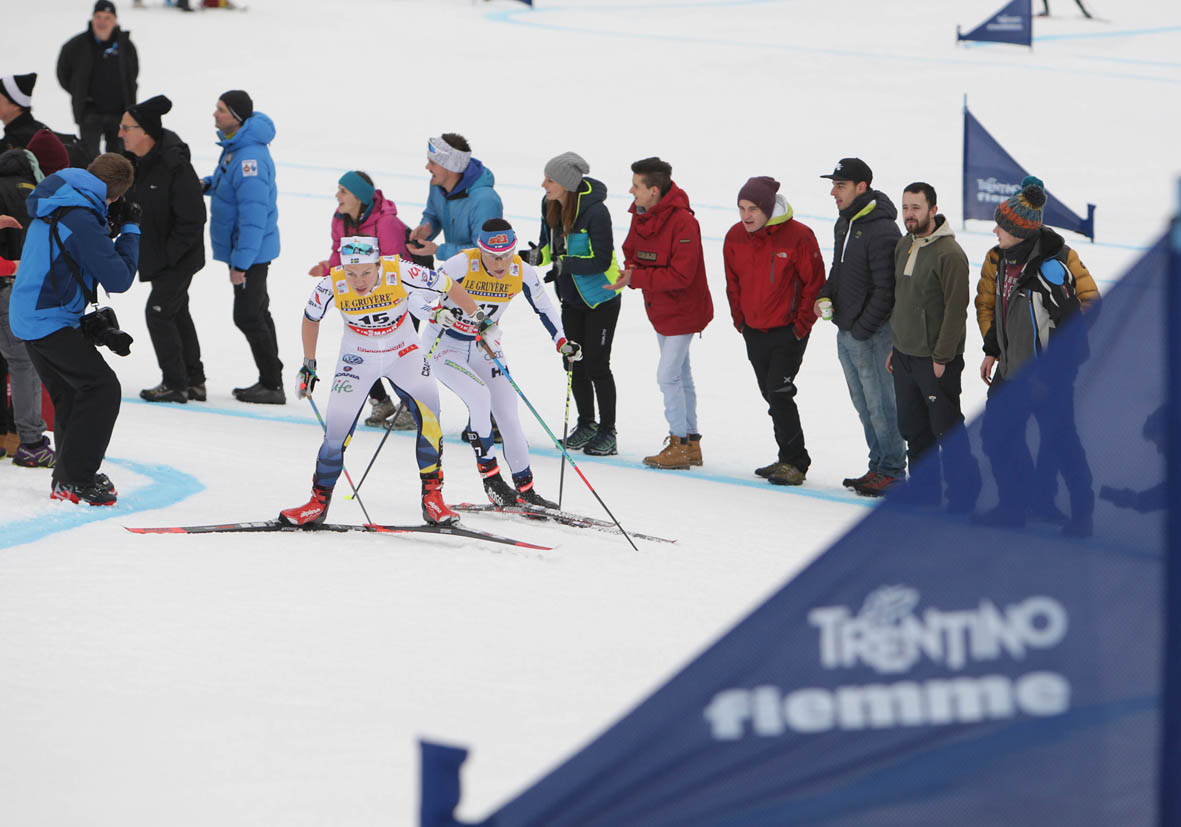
{"x": 357, "y": 249}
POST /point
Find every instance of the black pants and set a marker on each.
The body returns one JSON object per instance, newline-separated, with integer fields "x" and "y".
{"x": 95, "y": 126}
{"x": 85, "y": 394}
{"x": 776, "y": 356}
{"x": 594, "y": 330}
{"x": 252, "y": 315}
{"x": 928, "y": 413}
{"x": 170, "y": 325}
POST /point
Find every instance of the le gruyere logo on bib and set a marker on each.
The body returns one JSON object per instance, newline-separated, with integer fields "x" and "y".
{"x": 250, "y": 167}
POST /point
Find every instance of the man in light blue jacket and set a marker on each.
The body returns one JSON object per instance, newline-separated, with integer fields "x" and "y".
{"x": 244, "y": 231}
{"x": 460, "y": 200}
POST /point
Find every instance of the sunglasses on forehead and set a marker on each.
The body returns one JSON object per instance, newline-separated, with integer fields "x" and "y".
{"x": 351, "y": 249}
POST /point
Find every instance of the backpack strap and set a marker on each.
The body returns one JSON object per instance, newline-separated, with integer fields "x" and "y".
{"x": 89, "y": 294}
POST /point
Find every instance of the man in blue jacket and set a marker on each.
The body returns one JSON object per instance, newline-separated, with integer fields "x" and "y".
{"x": 67, "y": 253}
{"x": 460, "y": 200}
{"x": 244, "y": 230}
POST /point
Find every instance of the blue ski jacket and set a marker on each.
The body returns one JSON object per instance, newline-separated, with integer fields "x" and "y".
{"x": 45, "y": 296}
{"x": 244, "y": 210}
{"x": 461, "y": 213}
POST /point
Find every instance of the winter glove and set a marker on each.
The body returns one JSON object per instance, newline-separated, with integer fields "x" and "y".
{"x": 307, "y": 378}
{"x": 446, "y": 317}
{"x": 555, "y": 271}
{"x": 532, "y": 256}
{"x": 206, "y": 183}
{"x": 571, "y": 350}
{"x": 122, "y": 213}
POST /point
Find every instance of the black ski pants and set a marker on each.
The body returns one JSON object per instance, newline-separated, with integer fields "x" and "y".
{"x": 594, "y": 330}
{"x": 85, "y": 394}
{"x": 252, "y": 315}
{"x": 928, "y": 413}
{"x": 776, "y": 356}
{"x": 170, "y": 325}
{"x": 96, "y": 126}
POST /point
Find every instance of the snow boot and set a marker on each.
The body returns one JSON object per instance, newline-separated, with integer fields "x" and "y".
{"x": 603, "y": 444}
{"x": 163, "y": 393}
{"x": 383, "y": 409}
{"x": 37, "y": 455}
{"x": 675, "y": 455}
{"x": 311, "y": 513}
{"x": 695, "y": 450}
{"x": 434, "y": 510}
{"x": 498, "y": 491}
{"x": 583, "y": 434}
{"x": 527, "y": 494}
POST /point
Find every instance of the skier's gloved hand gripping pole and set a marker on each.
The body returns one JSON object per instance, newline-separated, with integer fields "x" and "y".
{"x": 573, "y": 353}
{"x": 307, "y": 382}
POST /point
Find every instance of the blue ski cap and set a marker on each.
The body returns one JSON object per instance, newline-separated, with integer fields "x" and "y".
{"x": 497, "y": 242}
{"x": 359, "y": 249}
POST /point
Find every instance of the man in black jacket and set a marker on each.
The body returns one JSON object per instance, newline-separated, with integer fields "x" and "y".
{"x": 16, "y": 105}
{"x": 860, "y": 298}
{"x": 172, "y": 246}
{"x": 99, "y": 69}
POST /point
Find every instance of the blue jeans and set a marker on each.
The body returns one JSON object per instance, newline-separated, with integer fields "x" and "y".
{"x": 676, "y": 383}
{"x": 871, "y": 388}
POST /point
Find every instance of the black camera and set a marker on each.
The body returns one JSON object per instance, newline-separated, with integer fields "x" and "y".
{"x": 101, "y": 327}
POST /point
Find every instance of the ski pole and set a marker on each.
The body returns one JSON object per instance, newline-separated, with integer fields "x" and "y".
{"x": 389, "y": 426}
{"x": 561, "y": 447}
{"x": 324, "y": 427}
{"x": 565, "y": 428}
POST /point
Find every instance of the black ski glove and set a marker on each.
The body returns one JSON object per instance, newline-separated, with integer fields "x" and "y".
{"x": 532, "y": 256}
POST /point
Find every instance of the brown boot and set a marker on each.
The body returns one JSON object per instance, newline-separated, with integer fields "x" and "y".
{"x": 674, "y": 456}
{"x": 694, "y": 449}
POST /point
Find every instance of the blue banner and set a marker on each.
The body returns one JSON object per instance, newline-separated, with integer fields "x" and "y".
{"x": 991, "y": 176}
{"x": 1012, "y": 24}
{"x": 991, "y": 654}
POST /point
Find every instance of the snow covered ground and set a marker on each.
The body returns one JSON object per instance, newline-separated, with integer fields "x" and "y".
{"x": 277, "y": 679}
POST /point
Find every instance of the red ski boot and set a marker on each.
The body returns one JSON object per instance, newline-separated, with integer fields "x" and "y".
{"x": 434, "y": 510}
{"x": 311, "y": 513}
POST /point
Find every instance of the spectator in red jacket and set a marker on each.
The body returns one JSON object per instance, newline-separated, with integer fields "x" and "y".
{"x": 662, "y": 257}
{"x": 773, "y": 274}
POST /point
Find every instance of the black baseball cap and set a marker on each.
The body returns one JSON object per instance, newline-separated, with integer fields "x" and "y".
{"x": 851, "y": 169}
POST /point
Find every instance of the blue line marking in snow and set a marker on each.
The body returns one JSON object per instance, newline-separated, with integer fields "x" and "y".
{"x": 168, "y": 486}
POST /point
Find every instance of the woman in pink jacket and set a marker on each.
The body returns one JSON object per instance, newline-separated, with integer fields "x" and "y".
{"x": 363, "y": 211}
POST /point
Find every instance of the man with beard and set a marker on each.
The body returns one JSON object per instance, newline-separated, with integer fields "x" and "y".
{"x": 929, "y": 325}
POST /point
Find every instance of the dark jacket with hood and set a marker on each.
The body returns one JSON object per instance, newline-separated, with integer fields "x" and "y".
{"x": 20, "y": 130}
{"x": 861, "y": 280}
{"x": 587, "y": 251}
{"x": 18, "y": 177}
{"x": 76, "y": 64}
{"x": 173, "y": 225}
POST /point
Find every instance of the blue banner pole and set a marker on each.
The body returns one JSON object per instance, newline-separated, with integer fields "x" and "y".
{"x": 964, "y": 172}
{"x": 1170, "y": 790}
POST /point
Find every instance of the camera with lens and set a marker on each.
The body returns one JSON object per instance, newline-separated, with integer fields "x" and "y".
{"x": 101, "y": 327}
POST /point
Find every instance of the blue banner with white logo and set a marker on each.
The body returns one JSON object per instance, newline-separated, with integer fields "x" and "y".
{"x": 986, "y": 647}
{"x": 991, "y": 176}
{"x": 1012, "y": 24}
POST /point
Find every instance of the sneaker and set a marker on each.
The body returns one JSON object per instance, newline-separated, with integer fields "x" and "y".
{"x": 434, "y": 510}
{"x": 37, "y": 455}
{"x": 786, "y": 474}
{"x": 197, "y": 393}
{"x": 383, "y": 409}
{"x": 498, "y": 491}
{"x": 262, "y": 395}
{"x": 695, "y": 450}
{"x": 675, "y": 455}
{"x": 311, "y": 513}
{"x": 163, "y": 393}
{"x": 91, "y": 493}
{"x": 603, "y": 444}
{"x": 877, "y": 485}
{"x": 583, "y": 434}
{"x": 103, "y": 481}
{"x": 404, "y": 419}
{"x": 852, "y": 482}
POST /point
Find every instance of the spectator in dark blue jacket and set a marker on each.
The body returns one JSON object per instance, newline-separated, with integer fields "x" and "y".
{"x": 67, "y": 254}
{"x": 244, "y": 229}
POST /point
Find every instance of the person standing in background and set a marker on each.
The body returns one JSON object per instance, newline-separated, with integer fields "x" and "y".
{"x": 99, "y": 69}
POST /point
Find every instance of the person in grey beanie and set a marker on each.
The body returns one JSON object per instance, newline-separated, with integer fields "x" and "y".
{"x": 577, "y": 242}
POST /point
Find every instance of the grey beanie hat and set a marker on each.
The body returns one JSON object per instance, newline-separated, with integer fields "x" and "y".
{"x": 567, "y": 169}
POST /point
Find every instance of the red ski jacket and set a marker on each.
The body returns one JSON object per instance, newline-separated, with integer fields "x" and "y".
{"x": 663, "y": 247}
{"x": 774, "y": 274}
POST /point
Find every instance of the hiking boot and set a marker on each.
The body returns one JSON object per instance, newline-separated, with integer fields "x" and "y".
{"x": 404, "y": 419}
{"x": 311, "y": 513}
{"x": 527, "y": 494}
{"x": 853, "y": 482}
{"x": 10, "y": 443}
{"x": 877, "y": 485}
{"x": 695, "y": 450}
{"x": 434, "y": 510}
{"x": 784, "y": 473}
{"x": 499, "y": 492}
{"x": 383, "y": 409}
{"x": 91, "y": 493}
{"x": 197, "y": 393}
{"x": 602, "y": 444}
{"x": 260, "y": 394}
{"x": 583, "y": 434}
{"x": 37, "y": 455}
{"x": 163, "y": 393}
{"x": 674, "y": 456}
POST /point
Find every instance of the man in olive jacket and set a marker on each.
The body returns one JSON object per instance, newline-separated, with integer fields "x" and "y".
{"x": 929, "y": 327}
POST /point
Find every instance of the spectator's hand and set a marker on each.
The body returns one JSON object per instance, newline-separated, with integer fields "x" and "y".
{"x": 986, "y": 369}
{"x": 624, "y": 280}
{"x": 938, "y": 369}
{"x": 421, "y": 232}
{"x": 890, "y": 362}
{"x": 319, "y": 269}
{"x": 532, "y": 256}
{"x": 307, "y": 378}
{"x": 422, "y": 248}
{"x": 206, "y": 183}
{"x": 7, "y": 222}
{"x": 133, "y": 213}
{"x": 571, "y": 350}
{"x": 554, "y": 272}
{"x": 237, "y": 277}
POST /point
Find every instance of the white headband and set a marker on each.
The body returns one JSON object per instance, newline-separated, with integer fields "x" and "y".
{"x": 447, "y": 156}
{"x": 13, "y": 91}
{"x": 359, "y": 249}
